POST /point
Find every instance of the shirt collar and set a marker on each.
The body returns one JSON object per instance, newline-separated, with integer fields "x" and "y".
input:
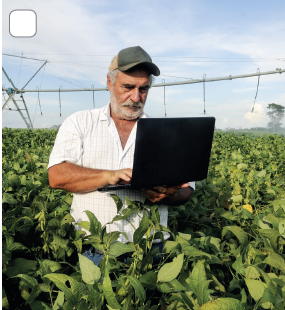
{"x": 106, "y": 115}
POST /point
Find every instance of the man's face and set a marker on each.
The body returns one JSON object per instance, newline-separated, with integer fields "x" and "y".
{"x": 128, "y": 94}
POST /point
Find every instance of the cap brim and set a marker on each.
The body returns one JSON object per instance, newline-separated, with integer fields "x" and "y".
{"x": 153, "y": 69}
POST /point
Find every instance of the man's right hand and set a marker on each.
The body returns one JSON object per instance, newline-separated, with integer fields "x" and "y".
{"x": 122, "y": 176}
{"x": 77, "y": 179}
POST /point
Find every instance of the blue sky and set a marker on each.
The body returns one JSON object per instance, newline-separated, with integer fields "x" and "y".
{"x": 186, "y": 39}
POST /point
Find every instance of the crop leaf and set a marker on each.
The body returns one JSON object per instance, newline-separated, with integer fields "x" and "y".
{"x": 90, "y": 272}
{"x": 108, "y": 292}
{"x": 142, "y": 229}
{"x": 95, "y": 298}
{"x": 199, "y": 283}
{"x": 239, "y": 233}
{"x": 223, "y": 304}
{"x": 5, "y": 303}
{"x": 170, "y": 271}
{"x": 256, "y": 288}
{"x": 95, "y": 225}
{"x": 139, "y": 289}
{"x": 118, "y": 202}
{"x": 170, "y": 287}
{"x": 118, "y": 248}
{"x": 149, "y": 280}
{"x": 275, "y": 260}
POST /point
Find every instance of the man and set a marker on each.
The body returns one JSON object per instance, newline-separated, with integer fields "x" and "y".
{"x": 95, "y": 148}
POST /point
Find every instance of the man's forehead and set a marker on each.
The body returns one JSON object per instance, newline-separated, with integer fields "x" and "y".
{"x": 133, "y": 77}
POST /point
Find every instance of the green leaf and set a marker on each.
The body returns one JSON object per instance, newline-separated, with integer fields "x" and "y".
{"x": 34, "y": 294}
{"x": 149, "y": 280}
{"x": 275, "y": 260}
{"x": 78, "y": 244}
{"x": 238, "y": 265}
{"x": 256, "y": 288}
{"x": 187, "y": 302}
{"x": 172, "y": 286}
{"x": 113, "y": 236}
{"x": 237, "y": 198}
{"x": 95, "y": 299}
{"x": 118, "y": 202}
{"x": 29, "y": 281}
{"x": 59, "y": 242}
{"x": 118, "y": 248}
{"x": 54, "y": 266}
{"x": 261, "y": 174}
{"x": 139, "y": 289}
{"x": 16, "y": 246}
{"x": 199, "y": 283}
{"x": 170, "y": 246}
{"x": 90, "y": 272}
{"x": 74, "y": 293}
{"x": 39, "y": 305}
{"x": 142, "y": 229}
{"x": 21, "y": 266}
{"x": 67, "y": 219}
{"x": 95, "y": 225}
{"x": 170, "y": 271}
{"x": 84, "y": 225}
{"x": 251, "y": 272}
{"x": 277, "y": 204}
{"x": 155, "y": 215}
{"x": 108, "y": 292}
{"x": 223, "y": 304}
{"x": 5, "y": 303}
{"x": 16, "y": 166}
{"x": 8, "y": 198}
{"x": 239, "y": 233}
{"x": 44, "y": 287}
{"x": 126, "y": 213}
{"x": 272, "y": 235}
{"x": 190, "y": 251}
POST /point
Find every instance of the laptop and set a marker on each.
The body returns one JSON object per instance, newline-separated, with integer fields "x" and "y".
{"x": 170, "y": 151}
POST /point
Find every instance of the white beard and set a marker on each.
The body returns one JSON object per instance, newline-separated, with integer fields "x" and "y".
{"x": 122, "y": 111}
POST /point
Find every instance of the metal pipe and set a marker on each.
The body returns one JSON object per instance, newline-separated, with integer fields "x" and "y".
{"x": 230, "y": 77}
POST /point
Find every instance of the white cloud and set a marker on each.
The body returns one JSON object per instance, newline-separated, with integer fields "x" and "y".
{"x": 257, "y": 115}
{"x": 225, "y": 120}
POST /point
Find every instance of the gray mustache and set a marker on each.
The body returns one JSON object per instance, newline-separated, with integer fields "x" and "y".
{"x": 133, "y": 104}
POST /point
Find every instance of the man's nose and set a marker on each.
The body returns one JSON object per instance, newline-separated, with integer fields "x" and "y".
{"x": 135, "y": 96}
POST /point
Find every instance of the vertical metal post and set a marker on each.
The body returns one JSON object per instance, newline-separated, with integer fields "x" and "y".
{"x": 59, "y": 101}
{"x": 92, "y": 86}
{"x": 39, "y": 100}
{"x": 256, "y": 90}
{"x": 163, "y": 81}
{"x": 204, "y": 77}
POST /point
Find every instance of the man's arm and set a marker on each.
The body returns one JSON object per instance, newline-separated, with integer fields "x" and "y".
{"x": 77, "y": 179}
{"x": 171, "y": 196}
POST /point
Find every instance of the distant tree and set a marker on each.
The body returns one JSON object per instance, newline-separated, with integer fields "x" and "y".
{"x": 276, "y": 113}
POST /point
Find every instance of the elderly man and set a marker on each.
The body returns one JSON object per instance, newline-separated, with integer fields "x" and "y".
{"x": 95, "y": 148}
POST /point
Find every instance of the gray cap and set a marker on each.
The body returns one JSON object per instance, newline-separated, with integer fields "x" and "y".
{"x": 131, "y": 57}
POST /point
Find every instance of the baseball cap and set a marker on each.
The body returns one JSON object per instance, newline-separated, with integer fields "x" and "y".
{"x": 130, "y": 57}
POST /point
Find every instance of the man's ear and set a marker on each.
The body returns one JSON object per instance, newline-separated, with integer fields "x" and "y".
{"x": 109, "y": 83}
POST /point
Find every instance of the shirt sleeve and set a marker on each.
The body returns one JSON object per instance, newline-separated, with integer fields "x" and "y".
{"x": 192, "y": 184}
{"x": 68, "y": 144}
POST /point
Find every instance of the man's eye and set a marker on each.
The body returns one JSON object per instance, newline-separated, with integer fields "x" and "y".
{"x": 144, "y": 89}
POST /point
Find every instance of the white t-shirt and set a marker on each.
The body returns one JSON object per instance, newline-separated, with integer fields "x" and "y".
{"x": 90, "y": 139}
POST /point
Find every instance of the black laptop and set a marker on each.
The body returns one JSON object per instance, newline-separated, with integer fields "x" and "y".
{"x": 170, "y": 151}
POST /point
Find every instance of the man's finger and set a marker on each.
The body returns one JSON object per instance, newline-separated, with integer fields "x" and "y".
{"x": 184, "y": 185}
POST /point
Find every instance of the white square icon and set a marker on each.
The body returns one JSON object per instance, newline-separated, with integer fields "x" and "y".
{"x": 23, "y": 23}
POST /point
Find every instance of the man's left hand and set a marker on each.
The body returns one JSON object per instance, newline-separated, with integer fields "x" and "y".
{"x": 173, "y": 195}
